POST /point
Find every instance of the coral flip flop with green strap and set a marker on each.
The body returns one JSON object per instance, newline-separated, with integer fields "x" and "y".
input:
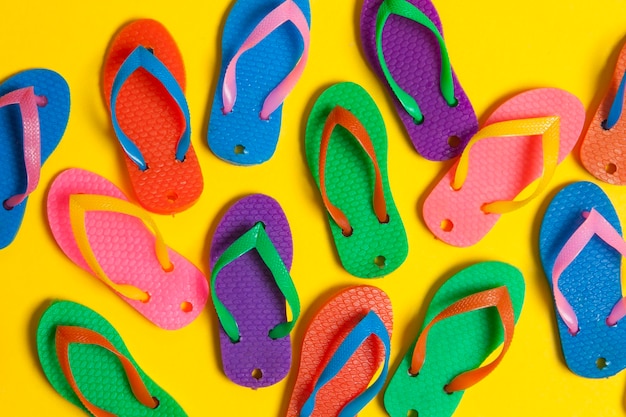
{"x": 87, "y": 363}
{"x": 468, "y": 318}
{"x": 346, "y": 149}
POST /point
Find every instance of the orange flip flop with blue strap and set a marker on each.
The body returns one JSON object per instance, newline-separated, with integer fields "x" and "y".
{"x": 144, "y": 82}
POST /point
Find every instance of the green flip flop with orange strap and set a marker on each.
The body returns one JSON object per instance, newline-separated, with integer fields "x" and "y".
{"x": 87, "y": 363}
{"x": 346, "y": 149}
{"x": 468, "y": 318}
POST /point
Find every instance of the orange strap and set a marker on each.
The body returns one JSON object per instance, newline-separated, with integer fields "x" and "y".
{"x": 66, "y": 335}
{"x": 343, "y": 117}
{"x": 496, "y": 297}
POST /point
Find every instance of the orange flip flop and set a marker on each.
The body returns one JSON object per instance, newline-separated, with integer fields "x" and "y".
{"x": 344, "y": 346}
{"x": 603, "y": 150}
{"x": 144, "y": 82}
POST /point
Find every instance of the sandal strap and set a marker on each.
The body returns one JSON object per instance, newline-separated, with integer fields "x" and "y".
{"x": 143, "y": 58}
{"x": 288, "y": 11}
{"x": 549, "y": 130}
{"x": 256, "y": 238}
{"x": 496, "y": 297}
{"x": 370, "y": 325}
{"x": 340, "y": 116}
{"x": 616, "y": 107}
{"x": 446, "y": 84}
{"x": 594, "y": 225}
{"x": 28, "y": 103}
{"x": 67, "y": 335}
{"x": 80, "y": 204}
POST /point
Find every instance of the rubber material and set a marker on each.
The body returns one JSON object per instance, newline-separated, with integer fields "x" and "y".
{"x": 350, "y": 183}
{"x": 153, "y": 120}
{"x": 242, "y": 137}
{"x": 602, "y": 151}
{"x": 500, "y": 168}
{"x": 591, "y": 283}
{"x": 413, "y": 56}
{"x": 324, "y": 334}
{"x": 455, "y": 345}
{"x": 53, "y": 118}
{"x": 98, "y": 373}
{"x": 248, "y": 290}
{"x": 176, "y": 297}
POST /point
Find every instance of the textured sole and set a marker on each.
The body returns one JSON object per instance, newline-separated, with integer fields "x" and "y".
{"x": 176, "y": 297}
{"x": 374, "y": 249}
{"x": 247, "y": 289}
{"x": 603, "y": 152}
{"x": 591, "y": 284}
{"x": 455, "y": 345}
{"x": 53, "y": 119}
{"x": 99, "y": 374}
{"x": 500, "y": 168}
{"x": 242, "y": 137}
{"x": 153, "y": 121}
{"x": 413, "y": 57}
{"x": 327, "y": 330}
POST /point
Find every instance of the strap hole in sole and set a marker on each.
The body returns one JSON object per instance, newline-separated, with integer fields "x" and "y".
{"x": 6, "y": 205}
{"x": 454, "y": 141}
{"x": 148, "y": 297}
{"x": 419, "y": 121}
{"x": 456, "y": 103}
{"x": 186, "y": 307}
{"x": 240, "y": 150}
{"x": 610, "y": 168}
{"x": 603, "y": 125}
{"x": 446, "y": 225}
{"x": 380, "y": 261}
{"x": 158, "y": 403}
{"x": 257, "y": 374}
{"x": 172, "y": 196}
{"x": 170, "y": 268}
{"x": 412, "y": 413}
{"x": 602, "y": 363}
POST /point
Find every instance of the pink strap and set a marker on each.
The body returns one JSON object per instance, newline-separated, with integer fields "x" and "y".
{"x": 28, "y": 102}
{"x": 287, "y": 11}
{"x": 594, "y": 224}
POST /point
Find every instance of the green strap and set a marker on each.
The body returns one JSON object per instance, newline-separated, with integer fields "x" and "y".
{"x": 256, "y": 238}
{"x": 407, "y": 10}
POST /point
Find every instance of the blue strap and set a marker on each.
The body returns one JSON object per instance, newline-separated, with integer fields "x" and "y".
{"x": 142, "y": 58}
{"x": 371, "y": 324}
{"x": 616, "y": 108}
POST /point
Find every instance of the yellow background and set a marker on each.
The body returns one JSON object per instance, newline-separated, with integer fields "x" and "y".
{"x": 497, "y": 48}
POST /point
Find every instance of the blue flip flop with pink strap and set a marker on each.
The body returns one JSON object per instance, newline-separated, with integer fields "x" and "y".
{"x": 34, "y": 110}
{"x": 581, "y": 247}
{"x": 265, "y": 46}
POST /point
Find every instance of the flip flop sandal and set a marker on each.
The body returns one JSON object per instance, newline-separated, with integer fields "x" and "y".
{"x": 581, "y": 248}
{"x": 144, "y": 82}
{"x": 265, "y": 46}
{"x": 249, "y": 289}
{"x": 87, "y": 363}
{"x": 471, "y": 314}
{"x": 403, "y": 42}
{"x": 346, "y": 149}
{"x": 344, "y": 347}
{"x": 522, "y": 141}
{"x": 34, "y": 110}
{"x": 86, "y": 213}
{"x": 602, "y": 150}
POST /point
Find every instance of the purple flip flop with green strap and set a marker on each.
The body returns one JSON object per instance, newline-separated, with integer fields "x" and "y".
{"x": 403, "y": 42}
{"x": 251, "y": 255}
